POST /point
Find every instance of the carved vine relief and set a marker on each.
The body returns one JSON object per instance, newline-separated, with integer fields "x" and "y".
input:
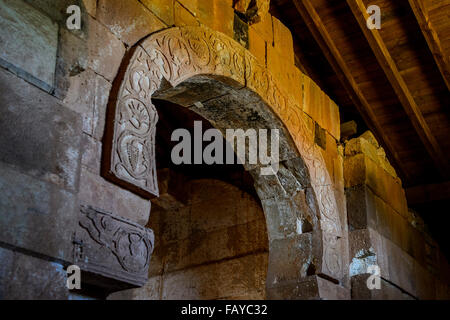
{"x": 177, "y": 54}
{"x": 113, "y": 246}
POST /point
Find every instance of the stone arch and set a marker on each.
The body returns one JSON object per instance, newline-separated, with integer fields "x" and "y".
{"x": 301, "y": 194}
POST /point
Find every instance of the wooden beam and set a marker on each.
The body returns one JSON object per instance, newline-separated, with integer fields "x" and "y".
{"x": 398, "y": 84}
{"x": 428, "y": 193}
{"x": 320, "y": 34}
{"x": 432, "y": 39}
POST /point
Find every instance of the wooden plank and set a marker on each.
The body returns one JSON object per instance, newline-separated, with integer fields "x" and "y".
{"x": 428, "y": 193}
{"x": 401, "y": 89}
{"x": 432, "y": 39}
{"x": 318, "y": 30}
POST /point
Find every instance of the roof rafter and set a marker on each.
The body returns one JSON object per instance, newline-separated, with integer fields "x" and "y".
{"x": 432, "y": 39}
{"x": 398, "y": 84}
{"x": 322, "y": 37}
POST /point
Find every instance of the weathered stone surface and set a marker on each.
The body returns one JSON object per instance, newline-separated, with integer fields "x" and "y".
{"x": 254, "y": 11}
{"x": 193, "y": 90}
{"x": 320, "y": 107}
{"x": 368, "y": 248}
{"x": 163, "y": 9}
{"x": 401, "y": 268}
{"x": 368, "y": 145}
{"x": 88, "y": 95}
{"x": 39, "y": 136}
{"x": 190, "y": 5}
{"x": 105, "y": 51}
{"x": 360, "y": 169}
{"x": 183, "y": 17}
{"x": 264, "y": 29}
{"x": 387, "y": 291}
{"x": 224, "y": 59}
{"x": 115, "y": 14}
{"x": 96, "y": 191}
{"x": 36, "y": 215}
{"x": 172, "y": 190}
{"x": 257, "y": 45}
{"x": 282, "y": 41}
{"x": 310, "y": 288}
{"x": 361, "y": 208}
{"x": 72, "y": 59}
{"x": 33, "y": 278}
{"x": 29, "y": 42}
{"x": 208, "y": 232}
{"x": 214, "y": 281}
{"x": 111, "y": 247}
{"x": 217, "y": 14}
{"x": 290, "y": 259}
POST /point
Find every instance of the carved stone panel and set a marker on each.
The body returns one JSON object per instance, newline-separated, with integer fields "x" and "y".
{"x": 174, "y": 55}
{"x": 111, "y": 247}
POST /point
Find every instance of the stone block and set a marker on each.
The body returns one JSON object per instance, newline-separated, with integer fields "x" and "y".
{"x": 290, "y": 259}
{"x": 23, "y": 277}
{"x": 72, "y": 59}
{"x": 39, "y": 136}
{"x": 88, "y": 95}
{"x": 183, "y": 17}
{"x": 332, "y": 291}
{"x": 283, "y": 42}
{"x": 117, "y": 15}
{"x": 359, "y": 169}
{"x": 172, "y": 190}
{"x": 310, "y": 288}
{"x": 29, "y": 43}
{"x": 368, "y": 145}
{"x": 425, "y": 283}
{"x": 99, "y": 193}
{"x": 367, "y": 248}
{"x": 175, "y": 225}
{"x": 36, "y": 215}
{"x": 360, "y": 291}
{"x": 57, "y": 11}
{"x": 281, "y": 218}
{"x": 401, "y": 268}
{"x": 320, "y": 107}
{"x": 190, "y": 5}
{"x": 257, "y": 45}
{"x": 222, "y": 218}
{"x": 113, "y": 252}
{"x": 361, "y": 212}
{"x": 214, "y": 281}
{"x": 264, "y": 29}
{"x": 196, "y": 89}
{"x": 91, "y": 154}
{"x": 217, "y": 14}
{"x": 105, "y": 51}
{"x": 90, "y": 6}
{"x": 380, "y": 245}
{"x": 163, "y": 9}
{"x": 286, "y": 75}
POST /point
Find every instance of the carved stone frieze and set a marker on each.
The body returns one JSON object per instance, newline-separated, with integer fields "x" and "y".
{"x": 177, "y": 54}
{"x": 112, "y": 247}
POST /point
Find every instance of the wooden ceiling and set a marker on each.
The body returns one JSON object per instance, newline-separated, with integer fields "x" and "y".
{"x": 393, "y": 81}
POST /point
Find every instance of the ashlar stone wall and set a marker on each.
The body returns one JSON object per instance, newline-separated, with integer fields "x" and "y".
{"x": 213, "y": 247}
{"x": 385, "y": 233}
{"x": 56, "y": 85}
